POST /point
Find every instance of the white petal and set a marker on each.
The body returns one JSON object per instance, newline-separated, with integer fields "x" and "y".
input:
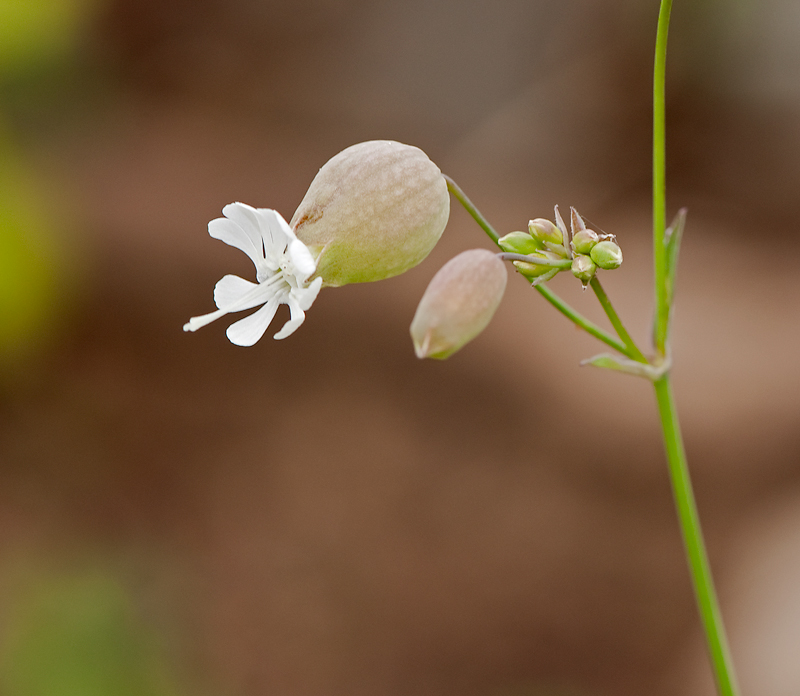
{"x": 231, "y": 289}
{"x": 246, "y": 217}
{"x": 302, "y": 260}
{"x": 276, "y": 221}
{"x": 268, "y": 237}
{"x": 297, "y": 318}
{"x": 274, "y": 230}
{"x": 232, "y": 233}
{"x": 305, "y": 296}
{"x": 247, "y": 331}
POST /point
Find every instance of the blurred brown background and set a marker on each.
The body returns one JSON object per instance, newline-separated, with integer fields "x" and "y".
{"x": 326, "y": 515}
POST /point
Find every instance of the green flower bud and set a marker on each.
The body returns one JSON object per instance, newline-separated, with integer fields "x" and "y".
{"x": 584, "y": 240}
{"x": 519, "y": 243}
{"x": 458, "y": 304}
{"x": 583, "y": 268}
{"x": 607, "y": 255}
{"x": 373, "y": 211}
{"x": 532, "y": 270}
{"x": 557, "y": 249}
{"x": 545, "y": 231}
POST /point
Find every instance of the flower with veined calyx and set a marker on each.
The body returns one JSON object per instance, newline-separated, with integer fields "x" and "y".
{"x": 372, "y": 212}
{"x": 283, "y": 266}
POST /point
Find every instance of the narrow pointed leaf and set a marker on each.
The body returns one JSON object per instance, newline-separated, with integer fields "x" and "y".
{"x": 672, "y": 241}
{"x": 607, "y": 361}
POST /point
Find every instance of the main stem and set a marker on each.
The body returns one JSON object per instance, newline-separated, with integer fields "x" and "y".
{"x": 689, "y": 520}
{"x": 660, "y": 178}
{"x": 697, "y": 557}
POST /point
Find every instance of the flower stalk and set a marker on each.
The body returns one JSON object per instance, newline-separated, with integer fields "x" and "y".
{"x": 697, "y": 558}
{"x": 469, "y": 206}
{"x": 695, "y": 547}
{"x": 660, "y": 178}
{"x": 580, "y": 320}
{"x": 631, "y": 349}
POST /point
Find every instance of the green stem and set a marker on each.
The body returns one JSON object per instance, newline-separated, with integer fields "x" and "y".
{"x": 697, "y": 557}
{"x": 548, "y": 294}
{"x": 631, "y": 349}
{"x": 660, "y": 178}
{"x": 563, "y": 264}
{"x": 693, "y": 541}
{"x": 580, "y": 320}
{"x": 462, "y": 198}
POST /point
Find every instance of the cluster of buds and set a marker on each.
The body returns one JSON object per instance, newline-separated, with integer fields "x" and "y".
{"x": 551, "y": 248}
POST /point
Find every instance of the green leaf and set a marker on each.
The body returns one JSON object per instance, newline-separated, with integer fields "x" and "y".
{"x": 672, "y": 242}
{"x": 607, "y": 361}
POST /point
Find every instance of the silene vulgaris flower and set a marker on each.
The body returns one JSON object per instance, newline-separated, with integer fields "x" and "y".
{"x": 283, "y": 266}
{"x": 372, "y": 211}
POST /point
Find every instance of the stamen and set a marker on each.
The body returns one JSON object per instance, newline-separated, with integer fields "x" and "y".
{"x": 263, "y": 292}
{"x": 199, "y": 322}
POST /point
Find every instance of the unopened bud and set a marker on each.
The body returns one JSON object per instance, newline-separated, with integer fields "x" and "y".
{"x": 583, "y": 268}
{"x": 607, "y": 255}
{"x": 458, "y": 303}
{"x": 534, "y": 270}
{"x": 557, "y": 249}
{"x": 545, "y": 231}
{"x": 519, "y": 243}
{"x": 373, "y": 211}
{"x": 584, "y": 240}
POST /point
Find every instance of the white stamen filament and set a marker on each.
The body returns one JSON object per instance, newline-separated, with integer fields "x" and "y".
{"x": 263, "y": 290}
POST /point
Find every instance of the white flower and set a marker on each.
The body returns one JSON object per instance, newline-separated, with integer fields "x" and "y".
{"x": 283, "y": 266}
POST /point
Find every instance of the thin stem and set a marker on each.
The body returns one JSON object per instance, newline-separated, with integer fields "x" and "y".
{"x": 462, "y": 198}
{"x": 679, "y": 472}
{"x": 631, "y": 349}
{"x": 535, "y": 260}
{"x": 693, "y": 541}
{"x": 580, "y": 320}
{"x": 660, "y": 178}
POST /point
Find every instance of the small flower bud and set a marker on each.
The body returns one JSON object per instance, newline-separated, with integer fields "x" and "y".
{"x": 545, "y": 231}
{"x": 557, "y": 249}
{"x": 607, "y": 255}
{"x": 519, "y": 243}
{"x": 373, "y": 211}
{"x": 458, "y": 303}
{"x": 533, "y": 270}
{"x": 583, "y": 268}
{"x": 584, "y": 240}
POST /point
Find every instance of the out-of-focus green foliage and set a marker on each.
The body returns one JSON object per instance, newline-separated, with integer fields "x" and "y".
{"x": 32, "y": 31}
{"x": 28, "y": 268}
{"x": 77, "y": 635}
{"x": 37, "y": 38}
